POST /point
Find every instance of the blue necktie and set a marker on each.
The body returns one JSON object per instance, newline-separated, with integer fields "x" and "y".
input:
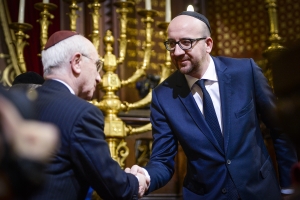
{"x": 210, "y": 114}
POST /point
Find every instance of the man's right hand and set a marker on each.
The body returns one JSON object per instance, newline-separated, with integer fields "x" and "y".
{"x": 143, "y": 177}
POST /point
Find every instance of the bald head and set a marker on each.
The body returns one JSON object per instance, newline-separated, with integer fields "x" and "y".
{"x": 189, "y": 24}
{"x": 197, "y": 16}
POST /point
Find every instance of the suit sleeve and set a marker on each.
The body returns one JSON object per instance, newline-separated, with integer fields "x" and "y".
{"x": 164, "y": 148}
{"x": 91, "y": 156}
{"x": 265, "y": 100}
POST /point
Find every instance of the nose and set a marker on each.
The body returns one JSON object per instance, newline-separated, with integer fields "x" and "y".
{"x": 178, "y": 51}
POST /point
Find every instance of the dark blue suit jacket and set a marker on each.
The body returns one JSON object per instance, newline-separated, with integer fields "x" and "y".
{"x": 245, "y": 95}
{"x": 83, "y": 159}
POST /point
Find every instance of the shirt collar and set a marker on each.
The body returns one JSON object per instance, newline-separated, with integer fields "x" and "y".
{"x": 210, "y": 74}
{"x": 71, "y": 90}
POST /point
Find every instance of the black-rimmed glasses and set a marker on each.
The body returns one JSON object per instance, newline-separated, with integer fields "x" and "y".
{"x": 98, "y": 63}
{"x": 184, "y": 44}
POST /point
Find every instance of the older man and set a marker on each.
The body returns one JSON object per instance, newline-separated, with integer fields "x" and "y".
{"x": 71, "y": 72}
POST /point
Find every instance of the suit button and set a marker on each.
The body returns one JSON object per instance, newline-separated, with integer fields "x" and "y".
{"x": 228, "y": 162}
{"x": 224, "y": 190}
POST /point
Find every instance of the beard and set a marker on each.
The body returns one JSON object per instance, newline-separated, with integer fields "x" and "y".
{"x": 187, "y": 68}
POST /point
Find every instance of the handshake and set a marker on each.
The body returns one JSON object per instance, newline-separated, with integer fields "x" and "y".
{"x": 142, "y": 176}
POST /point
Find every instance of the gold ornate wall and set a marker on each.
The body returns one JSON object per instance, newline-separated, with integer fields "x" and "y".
{"x": 289, "y": 20}
{"x": 241, "y": 28}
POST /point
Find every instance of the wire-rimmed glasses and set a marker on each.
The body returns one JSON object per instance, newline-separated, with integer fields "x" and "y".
{"x": 98, "y": 63}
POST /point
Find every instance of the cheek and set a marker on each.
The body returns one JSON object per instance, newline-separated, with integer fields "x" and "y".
{"x": 173, "y": 58}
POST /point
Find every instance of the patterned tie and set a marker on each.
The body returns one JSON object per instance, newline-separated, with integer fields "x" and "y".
{"x": 210, "y": 114}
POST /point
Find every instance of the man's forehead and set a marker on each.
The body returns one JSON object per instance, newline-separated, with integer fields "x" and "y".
{"x": 182, "y": 28}
{"x": 191, "y": 16}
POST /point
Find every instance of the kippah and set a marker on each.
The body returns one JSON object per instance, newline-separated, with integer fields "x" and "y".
{"x": 57, "y": 37}
{"x": 28, "y": 78}
{"x": 197, "y": 16}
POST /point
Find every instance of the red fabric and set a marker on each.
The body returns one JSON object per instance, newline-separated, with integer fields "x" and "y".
{"x": 57, "y": 37}
{"x": 31, "y": 51}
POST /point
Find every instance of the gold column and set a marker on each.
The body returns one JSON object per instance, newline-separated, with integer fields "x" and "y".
{"x": 275, "y": 48}
{"x": 73, "y": 16}
{"x": 165, "y": 72}
{"x": 95, "y": 6}
{"x": 148, "y": 20}
{"x": 44, "y": 20}
{"x": 111, "y": 105}
{"x": 166, "y": 68}
{"x": 274, "y": 38}
{"x": 115, "y": 129}
{"x": 20, "y": 43}
{"x": 122, "y": 10}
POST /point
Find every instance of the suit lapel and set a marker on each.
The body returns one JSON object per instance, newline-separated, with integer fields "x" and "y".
{"x": 188, "y": 101}
{"x": 225, "y": 89}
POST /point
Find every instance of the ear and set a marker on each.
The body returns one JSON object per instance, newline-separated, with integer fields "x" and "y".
{"x": 209, "y": 44}
{"x": 75, "y": 63}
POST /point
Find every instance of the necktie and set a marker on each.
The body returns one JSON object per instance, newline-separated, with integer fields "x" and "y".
{"x": 210, "y": 114}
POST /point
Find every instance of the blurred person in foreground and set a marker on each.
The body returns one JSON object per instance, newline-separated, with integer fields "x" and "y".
{"x": 226, "y": 159}
{"x": 71, "y": 73}
{"x": 26, "y": 145}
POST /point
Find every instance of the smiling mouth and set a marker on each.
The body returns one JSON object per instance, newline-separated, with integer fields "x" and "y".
{"x": 182, "y": 61}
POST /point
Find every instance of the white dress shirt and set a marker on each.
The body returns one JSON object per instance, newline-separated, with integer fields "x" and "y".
{"x": 212, "y": 87}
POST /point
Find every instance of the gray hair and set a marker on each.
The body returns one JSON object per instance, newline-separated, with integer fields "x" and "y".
{"x": 59, "y": 55}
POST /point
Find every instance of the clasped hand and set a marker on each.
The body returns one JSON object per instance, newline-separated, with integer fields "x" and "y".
{"x": 144, "y": 180}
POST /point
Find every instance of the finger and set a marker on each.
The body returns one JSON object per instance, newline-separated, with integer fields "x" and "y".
{"x": 137, "y": 169}
{"x": 127, "y": 170}
{"x": 142, "y": 184}
{"x": 134, "y": 169}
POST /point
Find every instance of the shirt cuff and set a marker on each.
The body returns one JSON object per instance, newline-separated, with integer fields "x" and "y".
{"x": 287, "y": 191}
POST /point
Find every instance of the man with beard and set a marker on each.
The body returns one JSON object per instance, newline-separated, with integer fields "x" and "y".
{"x": 212, "y": 106}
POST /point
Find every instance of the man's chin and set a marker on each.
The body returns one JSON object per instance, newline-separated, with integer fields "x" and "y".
{"x": 87, "y": 97}
{"x": 184, "y": 70}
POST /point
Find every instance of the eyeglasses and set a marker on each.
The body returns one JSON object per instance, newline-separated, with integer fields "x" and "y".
{"x": 184, "y": 44}
{"x": 98, "y": 63}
